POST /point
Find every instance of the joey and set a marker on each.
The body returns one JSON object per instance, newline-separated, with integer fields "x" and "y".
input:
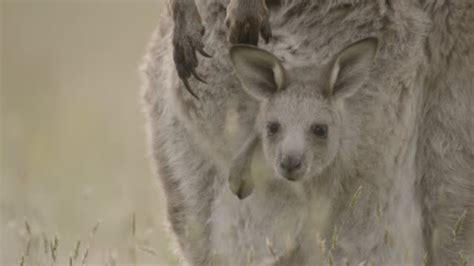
{"x": 299, "y": 123}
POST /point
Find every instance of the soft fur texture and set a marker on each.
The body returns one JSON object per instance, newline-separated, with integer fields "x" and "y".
{"x": 400, "y": 192}
{"x": 303, "y": 123}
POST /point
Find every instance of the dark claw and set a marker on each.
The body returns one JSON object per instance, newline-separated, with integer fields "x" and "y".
{"x": 266, "y": 31}
{"x": 240, "y": 194}
{"x": 188, "y": 88}
{"x": 204, "y": 53}
{"x": 187, "y": 41}
{"x": 197, "y": 76}
{"x": 266, "y": 36}
{"x": 245, "y": 189}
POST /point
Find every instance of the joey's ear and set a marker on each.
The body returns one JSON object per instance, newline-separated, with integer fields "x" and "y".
{"x": 350, "y": 69}
{"x": 260, "y": 72}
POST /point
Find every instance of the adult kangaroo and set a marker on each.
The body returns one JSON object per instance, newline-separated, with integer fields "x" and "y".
{"x": 403, "y": 190}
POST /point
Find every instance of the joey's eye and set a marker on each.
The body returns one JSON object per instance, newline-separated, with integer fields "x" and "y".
{"x": 320, "y": 130}
{"x": 273, "y": 128}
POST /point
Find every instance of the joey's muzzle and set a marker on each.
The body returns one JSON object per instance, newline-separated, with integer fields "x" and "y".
{"x": 291, "y": 167}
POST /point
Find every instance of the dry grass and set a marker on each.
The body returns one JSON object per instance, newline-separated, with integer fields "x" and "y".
{"x": 72, "y": 139}
{"x": 41, "y": 249}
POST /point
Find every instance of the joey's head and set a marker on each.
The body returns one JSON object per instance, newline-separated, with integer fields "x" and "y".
{"x": 300, "y": 118}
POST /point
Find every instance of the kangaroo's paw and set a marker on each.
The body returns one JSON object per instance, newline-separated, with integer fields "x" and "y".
{"x": 240, "y": 186}
{"x": 187, "y": 40}
{"x": 247, "y": 20}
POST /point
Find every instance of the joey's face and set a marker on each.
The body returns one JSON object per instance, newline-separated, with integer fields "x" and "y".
{"x": 300, "y": 135}
{"x": 302, "y": 107}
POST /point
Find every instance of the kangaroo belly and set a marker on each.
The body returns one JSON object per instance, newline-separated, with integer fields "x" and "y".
{"x": 277, "y": 223}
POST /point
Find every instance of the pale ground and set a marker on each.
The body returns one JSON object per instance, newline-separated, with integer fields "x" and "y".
{"x": 73, "y": 142}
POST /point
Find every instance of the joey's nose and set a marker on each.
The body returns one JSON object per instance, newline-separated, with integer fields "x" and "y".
{"x": 290, "y": 164}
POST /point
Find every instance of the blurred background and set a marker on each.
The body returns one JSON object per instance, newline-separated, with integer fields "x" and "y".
{"x": 76, "y": 183}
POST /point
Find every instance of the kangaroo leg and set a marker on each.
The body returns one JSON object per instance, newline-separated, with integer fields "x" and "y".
{"x": 240, "y": 181}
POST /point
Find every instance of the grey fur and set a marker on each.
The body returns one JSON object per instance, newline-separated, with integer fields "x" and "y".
{"x": 296, "y": 111}
{"x": 404, "y": 179}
